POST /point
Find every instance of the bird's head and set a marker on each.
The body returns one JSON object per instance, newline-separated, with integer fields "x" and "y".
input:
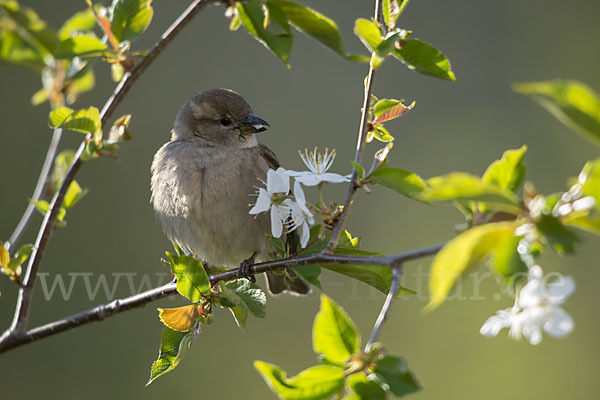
{"x": 219, "y": 116}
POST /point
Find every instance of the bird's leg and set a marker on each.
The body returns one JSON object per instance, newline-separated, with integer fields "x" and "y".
{"x": 244, "y": 269}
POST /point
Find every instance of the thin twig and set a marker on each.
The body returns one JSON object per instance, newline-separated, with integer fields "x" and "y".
{"x": 20, "y": 318}
{"x": 11, "y": 340}
{"x": 37, "y": 192}
{"x": 360, "y": 146}
{"x": 387, "y": 306}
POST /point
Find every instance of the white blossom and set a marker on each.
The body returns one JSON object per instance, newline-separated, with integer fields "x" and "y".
{"x": 536, "y": 309}
{"x": 301, "y": 215}
{"x": 318, "y": 164}
{"x": 278, "y": 186}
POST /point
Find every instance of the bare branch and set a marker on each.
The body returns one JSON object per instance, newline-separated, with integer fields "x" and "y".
{"x": 360, "y": 146}
{"x": 37, "y": 192}
{"x": 387, "y": 306}
{"x": 20, "y": 318}
{"x": 12, "y": 339}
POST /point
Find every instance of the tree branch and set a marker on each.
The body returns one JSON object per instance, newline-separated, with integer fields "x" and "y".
{"x": 387, "y": 306}
{"x": 37, "y": 191}
{"x": 10, "y": 340}
{"x": 360, "y": 146}
{"x": 20, "y": 318}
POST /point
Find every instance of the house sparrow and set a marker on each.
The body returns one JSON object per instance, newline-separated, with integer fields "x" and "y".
{"x": 202, "y": 180}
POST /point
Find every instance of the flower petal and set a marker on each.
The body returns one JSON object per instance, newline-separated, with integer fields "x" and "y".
{"x": 278, "y": 181}
{"x": 559, "y": 323}
{"x": 305, "y": 235}
{"x": 262, "y": 203}
{"x": 299, "y": 193}
{"x": 559, "y": 290}
{"x": 494, "y": 324}
{"x": 334, "y": 178}
{"x": 309, "y": 179}
{"x": 278, "y": 215}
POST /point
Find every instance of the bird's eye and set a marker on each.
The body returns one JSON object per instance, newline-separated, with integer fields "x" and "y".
{"x": 225, "y": 121}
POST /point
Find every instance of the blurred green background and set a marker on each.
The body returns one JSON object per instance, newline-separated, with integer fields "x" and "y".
{"x": 454, "y": 126}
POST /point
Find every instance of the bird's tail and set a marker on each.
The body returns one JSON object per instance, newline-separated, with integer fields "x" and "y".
{"x": 288, "y": 281}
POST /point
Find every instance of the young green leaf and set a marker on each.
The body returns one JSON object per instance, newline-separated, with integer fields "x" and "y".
{"x": 315, "y": 383}
{"x": 461, "y": 186}
{"x": 377, "y": 276}
{"x": 172, "y": 348}
{"x": 252, "y": 16}
{"x": 462, "y": 253}
{"x": 73, "y": 195}
{"x": 192, "y": 281}
{"x": 363, "y": 388}
{"x": 507, "y": 262}
{"x": 394, "y": 372}
{"x": 335, "y": 337}
{"x": 590, "y": 180}
{"x": 130, "y": 18}
{"x": 245, "y": 295}
{"x": 20, "y": 257}
{"x": 368, "y": 33}
{"x": 388, "y": 109}
{"x": 400, "y": 180}
{"x": 313, "y": 24}
{"x": 391, "y": 11}
{"x": 240, "y": 316}
{"x": 81, "y": 21}
{"x": 85, "y": 120}
{"x": 508, "y": 172}
{"x": 81, "y": 46}
{"x": 560, "y": 237}
{"x": 310, "y": 273}
{"x": 381, "y": 133}
{"x": 586, "y": 220}
{"x": 571, "y": 102}
{"x": 4, "y": 256}
{"x": 425, "y": 59}
{"x": 29, "y": 27}
{"x": 15, "y": 50}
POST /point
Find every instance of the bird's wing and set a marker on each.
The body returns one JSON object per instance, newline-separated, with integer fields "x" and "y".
{"x": 268, "y": 155}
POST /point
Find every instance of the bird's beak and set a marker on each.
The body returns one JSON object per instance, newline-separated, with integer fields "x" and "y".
{"x": 253, "y": 124}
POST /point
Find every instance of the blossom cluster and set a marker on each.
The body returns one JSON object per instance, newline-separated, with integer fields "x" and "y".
{"x": 289, "y": 210}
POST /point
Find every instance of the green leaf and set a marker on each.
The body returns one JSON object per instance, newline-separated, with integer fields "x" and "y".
{"x": 462, "y": 253}
{"x": 43, "y": 207}
{"x": 508, "y": 172}
{"x": 392, "y": 10}
{"x": 560, "y": 237}
{"x": 402, "y": 181}
{"x": 368, "y": 33}
{"x": 461, "y": 186}
{"x": 377, "y": 276}
{"x": 252, "y": 16}
{"x": 360, "y": 170}
{"x": 73, "y": 195}
{"x": 62, "y": 163}
{"x": 20, "y": 257}
{"x": 240, "y": 316}
{"x": 335, "y": 337}
{"x": 81, "y": 21}
{"x": 319, "y": 382}
{"x": 277, "y": 243}
{"x": 86, "y": 120}
{"x": 584, "y": 220}
{"x": 26, "y": 23}
{"x": 310, "y": 273}
{"x": 130, "y": 18}
{"x": 590, "y": 180}
{"x": 382, "y": 134}
{"x": 81, "y": 46}
{"x": 313, "y": 24}
{"x": 425, "y": 59}
{"x": 4, "y": 256}
{"x": 14, "y": 50}
{"x": 395, "y": 373}
{"x": 571, "y": 102}
{"x": 172, "y": 348}
{"x": 507, "y": 262}
{"x": 245, "y": 295}
{"x": 364, "y": 388}
{"x": 192, "y": 281}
